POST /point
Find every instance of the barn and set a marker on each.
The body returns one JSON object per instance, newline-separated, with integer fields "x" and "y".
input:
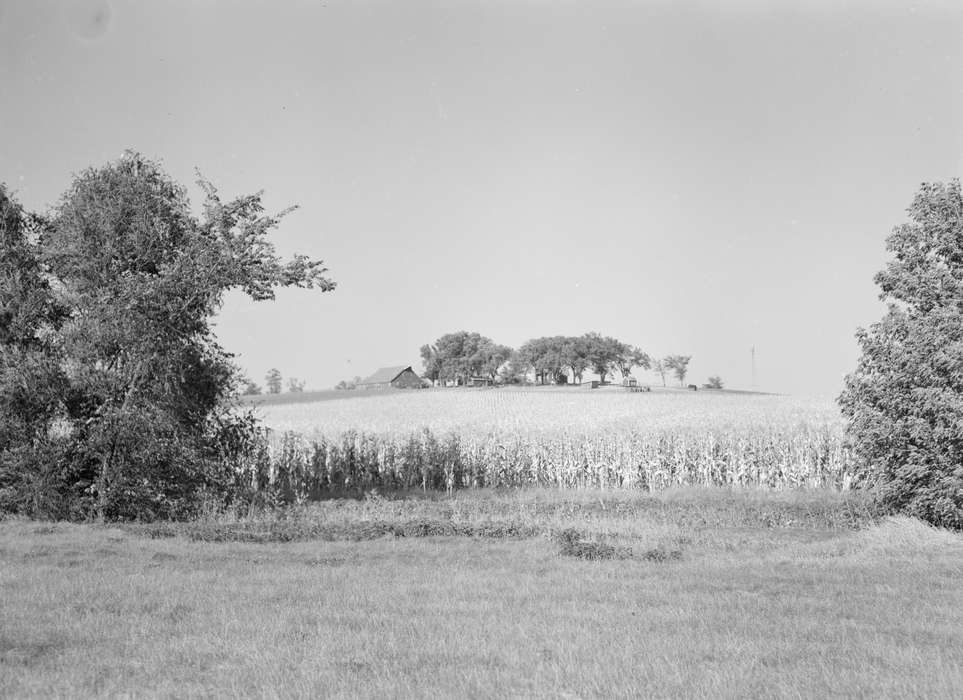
{"x": 398, "y": 377}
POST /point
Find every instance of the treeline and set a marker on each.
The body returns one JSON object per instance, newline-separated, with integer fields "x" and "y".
{"x": 461, "y": 356}
{"x": 273, "y": 381}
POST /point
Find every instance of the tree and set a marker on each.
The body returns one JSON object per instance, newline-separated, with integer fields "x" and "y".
{"x": 514, "y": 371}
{"x": 659, "y": 367}
{"x": 273, "y": 380}
{"x": 136, "y": 425}
{"x": 628, "y": 357}
{"x": 460, "y": 355}
{"x": 713, "y": 383}
{"x": 546, "y": 356}
{"x": 489, "y": 358}
{"x": 295, "y": 385}
{"x": 904, "y": 401}
{"x": 431, "y": 362}
{"x": 575, "y": 353}
{"x": 603, "y": 354}
{"x": 32, "y": 379}
{"x": 679, "y": 365}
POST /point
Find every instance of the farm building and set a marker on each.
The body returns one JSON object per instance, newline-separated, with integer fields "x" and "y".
{"x": 398, "y": 377}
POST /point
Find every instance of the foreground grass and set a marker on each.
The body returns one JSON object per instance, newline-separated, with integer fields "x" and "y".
{"x": 787, "y": 596}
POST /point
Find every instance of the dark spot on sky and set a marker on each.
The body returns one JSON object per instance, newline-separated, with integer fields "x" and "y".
{"x": 90, "y": 20}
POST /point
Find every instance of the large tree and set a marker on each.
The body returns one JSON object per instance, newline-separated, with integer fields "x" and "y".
{"x": 145, "y": 385}
{"x": 628, "y": 357}
{"x": 460, "y": 355}
{"x": 904, "y": 401}
{"x": 431, "y": 362}
{"x": 489, "y": 358}
{"x": 546, "y": 356}
{"x": 679, "y": 364}
{"x": 603, "y": 354}
{"x": 576, "y": 352}
{"x": 658, "y": 366}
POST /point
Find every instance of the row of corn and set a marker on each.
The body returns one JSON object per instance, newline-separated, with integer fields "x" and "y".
{"x": 295, "y": 469}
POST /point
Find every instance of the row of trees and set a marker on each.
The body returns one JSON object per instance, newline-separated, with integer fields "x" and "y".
{"x": 554, "y": 358}
{"x": 456, "y": 357}
{"x": 273, "y": 381}
{"x": 115, "y": 397}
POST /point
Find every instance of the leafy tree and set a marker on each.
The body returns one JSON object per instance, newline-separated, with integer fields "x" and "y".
{"x": 627, "y": 357}
{"x": 460, "y": 355}
{"x": 431, "y": 362}
{"x": 575, "y": 353}
{"x": 139, "y": 424}
{"x": 514, "y": 371}
{"x": 904, "y": 401}
{"x": 659, "y": 367}
{"x": 31, "y": 373}
{"x": 295, "y": 385}
{"x": 679, "y": 364}
{"x": 546, "y": 356}
{"x": 273, "y": 380}
{"x": 713, "y": 383}
{"x": 603, "y": 354}
{"x": 489, "y": 358}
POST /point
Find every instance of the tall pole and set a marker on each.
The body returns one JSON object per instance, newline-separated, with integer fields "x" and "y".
{"x": 753, "y": 355}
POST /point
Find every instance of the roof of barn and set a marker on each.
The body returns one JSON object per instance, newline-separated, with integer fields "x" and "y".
{"x": 385, "y": 375}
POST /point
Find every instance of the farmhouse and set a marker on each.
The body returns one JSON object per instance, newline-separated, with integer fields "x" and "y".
{"x": 398, "y": 377}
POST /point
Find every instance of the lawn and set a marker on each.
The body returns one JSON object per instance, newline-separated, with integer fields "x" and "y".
{"x": 710, "y": 592}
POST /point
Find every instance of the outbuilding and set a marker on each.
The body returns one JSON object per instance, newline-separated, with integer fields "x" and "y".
{"x": 397, "y": 377}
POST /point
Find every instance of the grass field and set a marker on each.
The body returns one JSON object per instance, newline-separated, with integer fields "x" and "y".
{"x": 704, "y": 593}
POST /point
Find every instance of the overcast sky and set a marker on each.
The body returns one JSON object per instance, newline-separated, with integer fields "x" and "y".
{"x": 694, "y": 178}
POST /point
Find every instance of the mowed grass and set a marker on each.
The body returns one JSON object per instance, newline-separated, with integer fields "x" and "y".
{"x": 803, "y": 594}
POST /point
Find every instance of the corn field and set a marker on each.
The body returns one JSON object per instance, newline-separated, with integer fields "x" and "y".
{"x": 450, "y": 439}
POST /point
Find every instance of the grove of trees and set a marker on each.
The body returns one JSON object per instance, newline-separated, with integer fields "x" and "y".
{"x": 115, "y": 397}
{"x": 461, "y": 355}
{"x": 458, "y": 356}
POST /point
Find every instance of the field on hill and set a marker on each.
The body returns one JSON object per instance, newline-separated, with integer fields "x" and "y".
{"x": 572, "y": 437}
{"x": 527, "y": 593}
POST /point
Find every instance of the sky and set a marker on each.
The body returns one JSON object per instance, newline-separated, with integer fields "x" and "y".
{"x": 694, "y": 178}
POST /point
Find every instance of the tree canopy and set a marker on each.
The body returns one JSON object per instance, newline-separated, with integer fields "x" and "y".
{"x": 679, "y": 364}
{"x": 461, "y": 355}
{"x": 125, "y": 283}
{"x": 904, "y": 401}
